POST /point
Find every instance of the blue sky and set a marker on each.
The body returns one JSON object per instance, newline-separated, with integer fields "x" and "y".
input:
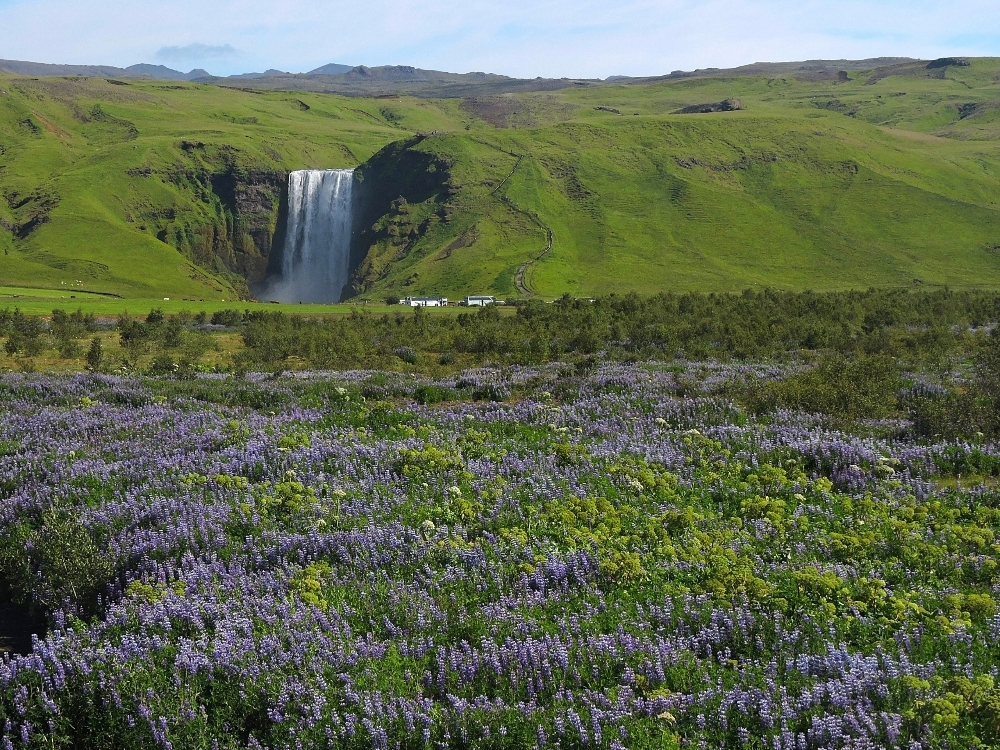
{"x": 576, "y": 38}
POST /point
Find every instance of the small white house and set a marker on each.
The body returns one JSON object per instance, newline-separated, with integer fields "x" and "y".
{"x": 425, "y": 301}
{"x": 480, "y": 300}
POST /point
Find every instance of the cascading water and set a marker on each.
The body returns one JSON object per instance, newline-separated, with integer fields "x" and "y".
{"x": 315, "y": 263}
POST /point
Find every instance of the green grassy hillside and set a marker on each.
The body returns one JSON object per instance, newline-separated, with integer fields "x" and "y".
{"x": 879, "y": 177}
{"x": 139, "y": 189}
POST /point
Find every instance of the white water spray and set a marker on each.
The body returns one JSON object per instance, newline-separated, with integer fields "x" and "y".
{"x": 315, "y": 263}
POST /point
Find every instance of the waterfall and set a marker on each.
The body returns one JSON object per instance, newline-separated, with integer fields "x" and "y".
{"x": 315, "y": 262}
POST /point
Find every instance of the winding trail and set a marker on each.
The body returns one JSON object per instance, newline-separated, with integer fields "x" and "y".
{"x": 520, "y": 158}
{"x": 520, "y": 278}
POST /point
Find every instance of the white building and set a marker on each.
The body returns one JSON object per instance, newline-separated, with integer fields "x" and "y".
{"x": 480, "y": 300}
{"x": 425, "y": 301}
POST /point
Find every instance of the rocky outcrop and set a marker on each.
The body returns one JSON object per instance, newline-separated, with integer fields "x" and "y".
{"x": 234, "y": 222}
{"x": 257, "y": 202}
{"x": 29, "y": 211}
{"x": 967, "y": 110}
{"x": 400, "y": 192}
{"x": 947, "y": 62}
{"x": 729, "y": 105}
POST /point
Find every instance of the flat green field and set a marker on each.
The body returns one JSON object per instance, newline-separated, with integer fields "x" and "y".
{"x": 888, "y": 178}
{"x": 43, "y": 301}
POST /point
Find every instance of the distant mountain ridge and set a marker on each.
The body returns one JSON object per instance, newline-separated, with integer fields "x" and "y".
{"x": 147, "y": 70}
{"x": 45, "y": 69}
{"x": 407, "y": 80}
{"x": 332, "y": 69}
{"x": 395, "y": 80}
{"x": 334, "y": 78}
{"x": 142, "y": 70}
{"x": 410, "y": 74}
{"x": 163, "y": 73}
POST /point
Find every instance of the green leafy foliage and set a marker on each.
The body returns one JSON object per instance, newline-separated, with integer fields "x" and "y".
{"x": 864, "y": 387}
{"x": 55, "y": 564}
{"x": 875, "y": 325}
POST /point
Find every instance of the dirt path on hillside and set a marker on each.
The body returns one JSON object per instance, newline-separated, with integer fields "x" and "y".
{"x": 520, "y": 278}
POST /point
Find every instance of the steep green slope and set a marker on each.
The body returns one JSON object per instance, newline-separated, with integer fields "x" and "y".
{"x": 153, "y": 189}
{"x": 792, "y": 192}
{"x": 878, "y": 177}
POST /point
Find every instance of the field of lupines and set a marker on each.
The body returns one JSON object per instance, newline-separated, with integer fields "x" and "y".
{"x": 542, "y": 557}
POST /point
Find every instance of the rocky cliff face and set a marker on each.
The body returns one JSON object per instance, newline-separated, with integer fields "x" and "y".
{"x": 258, "y": 203}
{"x": 729, "y": 105}
{"x": 28, "y": 212}
{"x": 399, "y": 191}
{"x": 234, "y": 224}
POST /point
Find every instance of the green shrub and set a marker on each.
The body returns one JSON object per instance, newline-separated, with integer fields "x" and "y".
{"x": 173, "y": 334}
{"x": 69, "y": 349}
{"x": 228, "y": 318}
{"x": 950, "y": 415}
{"x": 54, "y": 566}
{"x": 861, "y": 388}
{"x": 162, "y": 364}
{"x": 407, "y": 354}
{"x": 95, "y": 355}
{"x": 433, "y": 394}
{"x": 491, "y": 392}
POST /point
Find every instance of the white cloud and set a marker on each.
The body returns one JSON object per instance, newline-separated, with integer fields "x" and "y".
{"x": 197, "y": 52}
{"x": 518, "y": 37}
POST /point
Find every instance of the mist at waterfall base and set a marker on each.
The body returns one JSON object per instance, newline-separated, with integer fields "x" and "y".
{"x": 315, "y": 261}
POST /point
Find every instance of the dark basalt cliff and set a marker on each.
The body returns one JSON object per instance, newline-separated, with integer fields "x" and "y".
{"x": 400, "y": 191}
{"x": 258, "y": 203}
{"x": 729, "y": 105}
{"x": 238, "y": 224}
{"x": 29, "y": 211}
